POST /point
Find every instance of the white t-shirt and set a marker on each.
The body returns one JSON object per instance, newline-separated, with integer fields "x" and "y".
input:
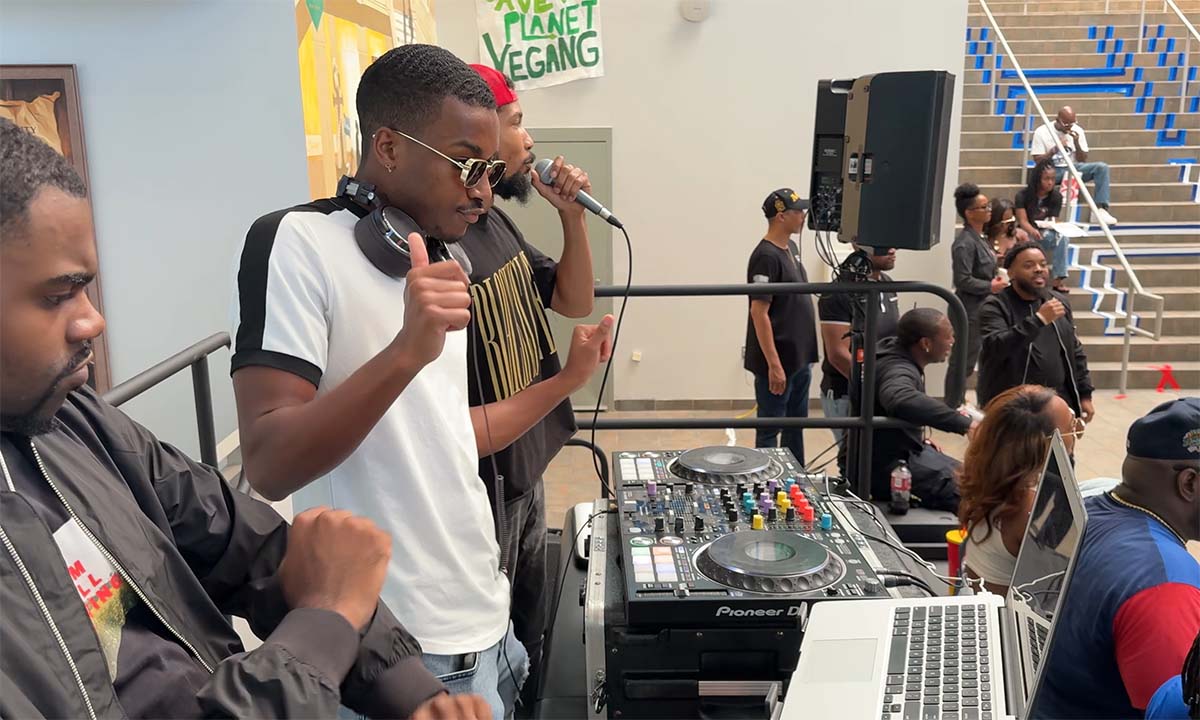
{"x": 309, "y": 302}
{"x": 1043, "y": 142}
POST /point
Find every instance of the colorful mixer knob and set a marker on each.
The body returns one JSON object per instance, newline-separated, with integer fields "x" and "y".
{"x": 826, "y": 521}
{"x": 756, "y": 522}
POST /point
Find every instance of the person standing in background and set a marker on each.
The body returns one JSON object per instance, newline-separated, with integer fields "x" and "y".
{"x": 781, "y": 338}
{"x": 836, "y": 313}
{"x": 973, "y": 262}
{"x": 1001, "y": 230}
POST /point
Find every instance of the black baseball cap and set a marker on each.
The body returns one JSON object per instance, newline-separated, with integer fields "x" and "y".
{"x": 1170, "y": 431}
{"x": 781, "y": 200}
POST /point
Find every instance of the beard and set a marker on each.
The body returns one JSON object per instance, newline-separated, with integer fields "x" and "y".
{"x": 517, "y": 187}
{"x": 39, "y": 419}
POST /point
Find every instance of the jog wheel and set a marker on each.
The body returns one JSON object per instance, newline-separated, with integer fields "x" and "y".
{"x": 772, "y": 561}
{"x": 725, "y": 466}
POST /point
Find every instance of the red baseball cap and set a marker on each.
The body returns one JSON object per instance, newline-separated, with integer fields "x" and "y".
{"x": 498, "y": 83}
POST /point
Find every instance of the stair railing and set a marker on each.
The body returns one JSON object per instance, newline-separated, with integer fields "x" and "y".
{"x": 1187, "y": 45}
{"x": 1136, "y": 290}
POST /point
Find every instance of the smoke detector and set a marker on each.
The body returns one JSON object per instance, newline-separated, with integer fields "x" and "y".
{"x": 695, "y": 10}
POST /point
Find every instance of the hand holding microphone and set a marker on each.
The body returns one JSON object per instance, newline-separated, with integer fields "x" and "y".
{"x": 544, "y": 170}
{"x": 1051, "y": 310}
{"x": 564, "y": 182}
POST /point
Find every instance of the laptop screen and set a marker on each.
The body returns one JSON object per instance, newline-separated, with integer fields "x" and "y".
{"x": 1051, "y": 538}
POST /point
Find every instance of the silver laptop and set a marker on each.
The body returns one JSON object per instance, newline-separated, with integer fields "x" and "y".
{"x": 948, "y": 658}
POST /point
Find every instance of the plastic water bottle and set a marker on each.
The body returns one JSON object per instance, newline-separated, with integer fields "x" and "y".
{"x": 901, "y": 488}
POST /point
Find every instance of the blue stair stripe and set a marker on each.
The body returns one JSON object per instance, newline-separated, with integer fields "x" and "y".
{"x": 1021, "y": 107}
{"x": 987, "y": 77}
{"x": 1165, "y": 139}
{"x": 1151, "y": 121}
{"x": 1169, "y": 123}
{"x": 1152, "y": 46}
{"x": 1071, "y": 73}
{"x": 1158, "y": 104}
{"x": 972, "y": 48}
{"x": 969, "y": 34}
{"x": 1170, "y": 44}
{"x": 1161, "y": 30}
{"x": 1008, "y": 123}
{"x": 1173, "y": 73}
{"x": 1120, "y": 45}
{"x": 978, "y": 62}
{"x": 1110, "y": 60}
{"x": 1162, "y": 59}
{"x": 1091, "y": 32}
{"x": 1140, "y": 106}
{"x": 1108, "y": 32}
{"x": 1194, "y": 104}
{"x": 1128, "y": 59}
{"x": 1148, "y": 89}
{"x": 1123, "y": 89}
{"x": 1017, "y": 142}
{"x": 1138, "y": 73}
{"x": 1191, "y": 74}
{"x": 1101, "y": 46}
{"x": 983, "y": 33}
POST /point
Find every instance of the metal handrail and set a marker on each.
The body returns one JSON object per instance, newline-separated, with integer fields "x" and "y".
{"x": 1135, "y": 286}
{"x": 195, "y": 357}
{"x": 864, "y": 423}
{"x": 1187, "y": 46}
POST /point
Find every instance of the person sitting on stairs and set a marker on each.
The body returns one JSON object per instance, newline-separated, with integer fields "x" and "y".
{"x": 1074, "y": 139}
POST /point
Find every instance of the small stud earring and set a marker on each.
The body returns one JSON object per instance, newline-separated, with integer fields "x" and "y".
{"x": 390, "y": 168}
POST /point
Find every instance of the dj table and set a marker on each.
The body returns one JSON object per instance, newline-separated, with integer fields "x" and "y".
{"x": 655, "y": 658}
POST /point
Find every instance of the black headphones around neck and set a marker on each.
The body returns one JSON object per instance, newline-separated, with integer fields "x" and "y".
{"x": 382, "y": 234}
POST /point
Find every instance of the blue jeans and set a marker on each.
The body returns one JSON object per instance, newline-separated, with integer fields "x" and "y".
{"x": 488, "y": 673}
{"x": 792, "y": 403}
{"x": 1093, "y": 172}
{"x": 1056, "y": 248}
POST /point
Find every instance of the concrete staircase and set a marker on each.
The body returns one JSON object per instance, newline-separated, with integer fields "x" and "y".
{"x": 1075, "y": 53}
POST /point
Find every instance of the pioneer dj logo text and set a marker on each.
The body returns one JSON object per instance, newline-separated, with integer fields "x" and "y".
{"x": 796, "y": 611}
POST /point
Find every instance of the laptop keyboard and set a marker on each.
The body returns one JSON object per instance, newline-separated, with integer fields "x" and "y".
{"x": 938, "y": 666}
{"x": 1037, "y": 642}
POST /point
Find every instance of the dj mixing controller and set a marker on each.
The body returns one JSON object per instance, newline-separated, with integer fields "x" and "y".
{"x": 729, "y": 535}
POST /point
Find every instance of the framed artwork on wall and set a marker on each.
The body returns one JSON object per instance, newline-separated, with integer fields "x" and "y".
{"x": 44, "y": 100}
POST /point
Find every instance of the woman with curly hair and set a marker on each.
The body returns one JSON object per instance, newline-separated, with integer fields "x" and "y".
{"x": 1000, "y": 474}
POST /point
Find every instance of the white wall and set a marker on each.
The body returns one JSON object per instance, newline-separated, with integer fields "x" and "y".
{"x": 193, "y": 127}
{"x": 707, "y": 119}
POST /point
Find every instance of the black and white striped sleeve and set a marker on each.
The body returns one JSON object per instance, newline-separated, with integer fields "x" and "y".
{"x": 280, "y": 308}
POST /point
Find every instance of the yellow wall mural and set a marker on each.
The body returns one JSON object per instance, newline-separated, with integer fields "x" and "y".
{"x": 337, "y": 40}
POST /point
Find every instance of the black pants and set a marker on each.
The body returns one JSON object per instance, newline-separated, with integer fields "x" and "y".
{"x": 527, "y": 574}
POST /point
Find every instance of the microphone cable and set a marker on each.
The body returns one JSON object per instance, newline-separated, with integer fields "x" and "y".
{"x": 608, "y": 365}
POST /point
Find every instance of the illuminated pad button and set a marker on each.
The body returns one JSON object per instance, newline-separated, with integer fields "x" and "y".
{"x": 640, "y": 542}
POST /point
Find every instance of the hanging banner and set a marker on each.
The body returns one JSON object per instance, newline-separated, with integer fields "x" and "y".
{"x": 539, "y": 43}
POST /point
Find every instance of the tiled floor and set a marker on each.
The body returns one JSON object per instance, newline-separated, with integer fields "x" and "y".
{"x": 570, "y": 479}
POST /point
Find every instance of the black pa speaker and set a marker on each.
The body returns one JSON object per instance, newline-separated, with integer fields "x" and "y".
{"x": 893, "y": 158}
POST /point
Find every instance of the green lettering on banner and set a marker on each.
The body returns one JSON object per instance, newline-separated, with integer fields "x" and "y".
{"x": 500, "y": 3}
{"x": 553, "y": 63}
{"x": 515, "y": 68}
{"x": 315, "y": 8}
{"x": 554, "y": 26}
{"x": 590, "y": 5}
{"x": 589, "y": 55}
{"x": 536, "y": 30}
{"x": 497, "y": 60}
{"x": 536, "y": 67}
{"x": 567, "y": 49}
{"x": 510, "y": 19}
{"x": 542, "y": 6}
{"x": 571, "y": 19}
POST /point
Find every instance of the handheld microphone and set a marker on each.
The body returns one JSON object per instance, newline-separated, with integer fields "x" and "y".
{"x": 542, "y": 168}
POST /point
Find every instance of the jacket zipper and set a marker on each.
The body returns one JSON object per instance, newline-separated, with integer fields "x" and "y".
{"x": 111, "y": 559}
{"x": 41, "y": 603}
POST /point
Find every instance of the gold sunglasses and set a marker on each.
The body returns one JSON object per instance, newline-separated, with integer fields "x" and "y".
{"x": 473, "y": 169}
